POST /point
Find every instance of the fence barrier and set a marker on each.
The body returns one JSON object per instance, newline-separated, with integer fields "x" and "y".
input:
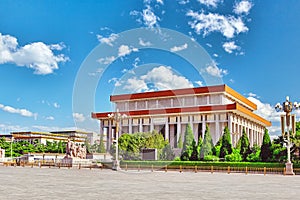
{"x": 180, "y": 168}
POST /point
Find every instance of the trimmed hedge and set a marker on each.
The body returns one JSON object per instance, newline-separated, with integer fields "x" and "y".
{"x": 201, "y": 163}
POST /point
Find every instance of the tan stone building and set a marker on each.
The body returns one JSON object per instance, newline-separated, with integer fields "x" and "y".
{"x": 169, "y": 112}
{"x": 78, "y": 137}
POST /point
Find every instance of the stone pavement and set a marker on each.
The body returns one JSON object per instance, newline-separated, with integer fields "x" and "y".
{"x": 44, "y": 183}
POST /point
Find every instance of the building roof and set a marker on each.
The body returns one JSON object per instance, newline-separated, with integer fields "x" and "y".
{"x": 235, "y": 108}
{"x": 186, "y": 91}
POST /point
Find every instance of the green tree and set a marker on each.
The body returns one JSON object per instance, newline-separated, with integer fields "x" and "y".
{"x": 244, "y": 146}
{"x": 167, "y": 153}
{"x": 207, "y": 146}
{"x": 278, "y": 149}
{"x": 217, "y": 148}
{"x": 195, "y": 153}
{"x": 254, "y": 156}
{"x": 180, "y": 144}
{"x": 187, "y": 143}
{"x": 199, "y": 145}
{"x": 226, "y": 146}
{"x": 266, "y": 153}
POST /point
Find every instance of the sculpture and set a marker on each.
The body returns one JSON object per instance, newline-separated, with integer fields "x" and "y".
{"x": 75, "y": 151}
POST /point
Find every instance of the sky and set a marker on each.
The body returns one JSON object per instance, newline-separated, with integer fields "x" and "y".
{"x": 61, "y": 60}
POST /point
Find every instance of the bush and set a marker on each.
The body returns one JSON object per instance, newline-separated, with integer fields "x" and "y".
{"x": 235, "y": 156}
{"x": 211, "y": 158}
{"x": 177, "y": 158}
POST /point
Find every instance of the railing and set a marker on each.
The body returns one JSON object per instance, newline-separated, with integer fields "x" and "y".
{"x": 138, "y": 167}
{"x": 210, "y": 169}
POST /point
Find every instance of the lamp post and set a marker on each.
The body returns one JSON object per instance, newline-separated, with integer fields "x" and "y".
{"x": 117, "y": 117}
{"x": 287, "y": 106}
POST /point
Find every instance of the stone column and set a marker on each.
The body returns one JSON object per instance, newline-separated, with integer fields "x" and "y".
{"x": 130, "y": 125}
{"x": 109, "y": 135}
{"x": 172, "y": 139}
{"x": 203, "y": 126}
{"x": 179, "y": 128}
{"x": 217, "y": 127}
{"x": 140, "y": 125}
{"x": 151, "y": 125}
{"x": 167, "y": 130}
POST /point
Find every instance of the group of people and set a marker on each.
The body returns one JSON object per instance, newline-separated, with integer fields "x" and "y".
{"x": 75, "y": 151}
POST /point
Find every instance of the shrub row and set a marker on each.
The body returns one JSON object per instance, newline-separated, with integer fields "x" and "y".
{"x": 201, "y": 163}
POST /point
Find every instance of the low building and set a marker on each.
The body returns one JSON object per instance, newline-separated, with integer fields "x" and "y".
{"x": 169, "y": 112}
{"x": 79, "y": 137}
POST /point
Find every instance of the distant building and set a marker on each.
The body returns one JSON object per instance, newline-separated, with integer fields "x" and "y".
{"x": 6, "y": 136}
{"x": 78, "y": 137}
{"x": 169, "y": 112}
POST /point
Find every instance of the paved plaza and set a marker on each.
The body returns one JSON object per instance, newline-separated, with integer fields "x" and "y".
{"x": 53, "y": 183}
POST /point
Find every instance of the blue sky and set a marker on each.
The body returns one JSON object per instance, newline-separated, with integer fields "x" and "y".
{"x": 60, "y": 60}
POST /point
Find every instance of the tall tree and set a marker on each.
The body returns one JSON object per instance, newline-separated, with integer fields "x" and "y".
{"x": 207, "y": 145}
{"x": 266, "y": 152}
{"x": 226, "y": 146}
{"x": 244, "y": 145}
{"x": 187, "y": 143}
{"x": 199, "y": 145}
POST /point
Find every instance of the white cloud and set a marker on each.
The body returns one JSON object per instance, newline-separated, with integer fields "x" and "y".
{"x": 199, "y": 83}
{"x": 265, "y": 110}
{"x": 98, "y": 71}
{"x": 228, "y": 26}
{"x": 108, "y": 40}
{"x": 144, "y": 43}
{"x": 50, "y": 118}
{"x": 57, "y": 47}
{"x": 215, "y": 55}
{"x": 135, "y": 85}
{"x": 160, "y": 1}
{"x": 250, "y": 94}
{"x": 213, "y": 70}
{"x": 78, "y": 117}
{"x": 160, "y": 78}
{"x": 242, "y": 7}
{"x": 179, "y": 48}
{"x": 23, "y": 112}
{"x": 164, "y": 78}
{"x": 126, "y": 50}
{"x": 209, "y": 45}
{"x": 208, "y": 3}
{"x": 106, "y": 60}
{"x": 116, "y": 82}
{"x": 149, "y": 18}
{"x": 56, "y": 105}
{"x": 229, "y": 47}
{"x": 183, "y": 2}
{"x": 37, "y": 56}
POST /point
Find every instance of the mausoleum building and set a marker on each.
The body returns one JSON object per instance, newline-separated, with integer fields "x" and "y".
{"x": 169, "y": 112}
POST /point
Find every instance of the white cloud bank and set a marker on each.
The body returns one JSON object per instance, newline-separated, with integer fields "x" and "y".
{"x": 228, "y": 26}
{"x": 161, "y": 78}
{"x": 242, "y": 7}
{"x": 23, "y": 112}
{"x": 229, "y": 47}
{"x": 179, "y": 48}
{"x": 107, "y": 40}
{"x": 78, "y": 117}
{"x": 208, "y": 3}
{"x": 37, "y": 56}
{"x": 215, "y": 71}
